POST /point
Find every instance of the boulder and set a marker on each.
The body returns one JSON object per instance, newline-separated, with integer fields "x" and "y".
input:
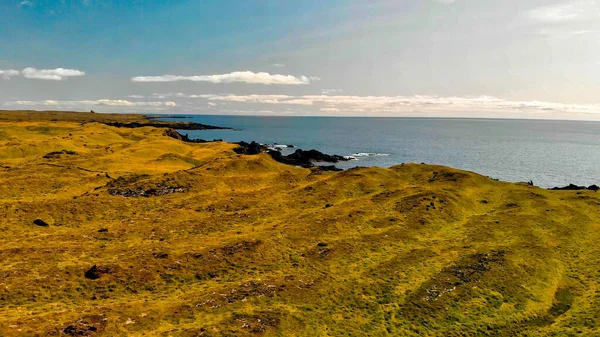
{"x": 40, "y": 222}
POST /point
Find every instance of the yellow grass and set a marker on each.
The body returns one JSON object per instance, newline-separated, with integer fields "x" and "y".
{"x": 402, "y": 250}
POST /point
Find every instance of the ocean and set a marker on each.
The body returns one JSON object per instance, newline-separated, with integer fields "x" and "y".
{"x": 550, "y": 153}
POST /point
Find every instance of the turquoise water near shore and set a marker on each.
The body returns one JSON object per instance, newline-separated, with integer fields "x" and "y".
{"x": 551, "y": 153}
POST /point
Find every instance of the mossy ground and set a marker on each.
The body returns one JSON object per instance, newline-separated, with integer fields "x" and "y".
{"x": 254, "y": 247}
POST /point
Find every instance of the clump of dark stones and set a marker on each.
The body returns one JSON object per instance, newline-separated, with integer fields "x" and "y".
{"x": 40, "y": 222}
{"x": 96, "y": 272}
{"x": 159, "y": 190}
{"x": 160, "y": 255}
{"x": 250, "y": 148}
{"x": 479, "y": 263}
{"x": 57, "y": 154}
{"x": 573, "y": 187}
{"x": 305, "y": 158}
{"x": 87, "y": 326}
{"x": 256, "y": 324}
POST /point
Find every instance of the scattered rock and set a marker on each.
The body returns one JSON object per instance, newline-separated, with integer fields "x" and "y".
{"x": 322, "y": 244}
{"x": 160, "y": 189}
{"x": 256, "y": 324}
{"x": 87, "y": 326}
{"x": 103, "y": 230}
{"x": 160, "y": 255}
{"x": 40, "y": 222}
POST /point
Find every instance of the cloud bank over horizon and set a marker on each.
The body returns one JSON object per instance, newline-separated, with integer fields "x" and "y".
{"x": 332, "y": 105}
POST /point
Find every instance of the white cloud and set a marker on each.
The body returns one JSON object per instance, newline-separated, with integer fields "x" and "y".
{"x": 446, "y": 2}
{"x": 278, "y": 65}
{"x": 57, "y": 74}
{"x": 331, "y": 91}
{"x": 565, "y": 12}
{"x": 415, "y": 105}
{"x": 8, "y": 73}
{"x": 234, "y": 77}
{"x": 26, "y": 3}
{"x": 102, "y": 102}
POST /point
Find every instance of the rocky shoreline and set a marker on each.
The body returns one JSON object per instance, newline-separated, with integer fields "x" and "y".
{"x": 170, "y": 125}
{"x": 301, "y": 158}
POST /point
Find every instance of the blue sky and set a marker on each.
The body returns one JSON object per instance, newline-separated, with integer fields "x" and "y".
{"x": 461, "y": 58}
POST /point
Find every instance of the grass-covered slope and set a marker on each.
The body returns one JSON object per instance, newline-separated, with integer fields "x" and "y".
{"x": 232, "y": 245}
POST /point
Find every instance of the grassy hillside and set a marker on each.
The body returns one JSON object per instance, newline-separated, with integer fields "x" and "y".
{"x": 195, "y": 240}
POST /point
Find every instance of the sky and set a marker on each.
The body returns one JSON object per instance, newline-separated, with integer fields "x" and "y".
{"x": 535, "y": 59}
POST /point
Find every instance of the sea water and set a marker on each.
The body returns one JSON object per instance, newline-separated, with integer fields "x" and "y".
{"x": 551, "y": 153}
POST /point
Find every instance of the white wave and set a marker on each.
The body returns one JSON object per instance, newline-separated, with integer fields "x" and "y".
{"x": 367, "y": 154}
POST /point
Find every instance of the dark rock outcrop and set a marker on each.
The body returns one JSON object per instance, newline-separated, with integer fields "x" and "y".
{"x": 305, "y": 158}
{"x": 573, "y": 187}
{"x": 57, "y": 154}
{"x": 40, "y": 222}
{"x": 184, "y": 138}
{"x": 96, "y": 272}
{"x": 250, "y": 148}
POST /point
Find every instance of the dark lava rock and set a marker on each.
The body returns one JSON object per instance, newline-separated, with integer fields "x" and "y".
{"x": 160, "y": 255}
{"x": 103, "y": 230}
{"x": 184, "y": 138}
{"x": 298, "y": 158}
{"x": 95, "y": 272}
{"x": 305, "y": 158}
{"x": 40, "y": 222}
{"x": 57, "y": 154}
{"x": 573, "y": 187}
{"x": 250, "y": 148}
{"x": 322, "y": 244}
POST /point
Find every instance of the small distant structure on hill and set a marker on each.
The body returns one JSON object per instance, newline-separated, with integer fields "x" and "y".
{"x": 92, "y": 111}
